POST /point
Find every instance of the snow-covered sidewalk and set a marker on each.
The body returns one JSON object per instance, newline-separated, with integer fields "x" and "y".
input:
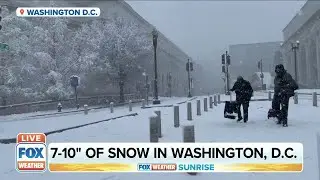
{"x": 10, "y": 128}
{"x": 68, "y": 111}
{"x": 210, "y": 127}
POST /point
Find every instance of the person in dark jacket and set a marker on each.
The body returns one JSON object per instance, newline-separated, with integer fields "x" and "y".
{"x": 243, "y": 92}
{"x": 284, "y": 87}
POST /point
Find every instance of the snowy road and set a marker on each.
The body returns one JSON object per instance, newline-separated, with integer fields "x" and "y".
{"x": 209, "y": 127}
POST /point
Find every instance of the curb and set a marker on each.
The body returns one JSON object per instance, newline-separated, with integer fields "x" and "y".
{"x": 169, "y": 105}
{"x": 55, "y": 114}
{"x": 14, "y": 140}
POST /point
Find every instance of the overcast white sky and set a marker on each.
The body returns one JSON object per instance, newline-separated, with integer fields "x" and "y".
{"x": 205, "y": 29}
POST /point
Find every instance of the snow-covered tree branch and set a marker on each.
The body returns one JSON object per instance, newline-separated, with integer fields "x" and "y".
{"x": 45, "y": 52}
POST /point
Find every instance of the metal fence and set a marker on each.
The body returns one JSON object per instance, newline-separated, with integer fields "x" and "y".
{"x": 300, "y": 95}
{"x": 101, "y": 100}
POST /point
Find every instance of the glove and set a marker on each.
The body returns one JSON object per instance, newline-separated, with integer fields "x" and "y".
{"x": 287, "y": 86}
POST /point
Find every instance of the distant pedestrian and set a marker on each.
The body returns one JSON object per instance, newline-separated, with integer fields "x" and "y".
{"x": 284, "y": 87}
{"x": 244, "y": 93}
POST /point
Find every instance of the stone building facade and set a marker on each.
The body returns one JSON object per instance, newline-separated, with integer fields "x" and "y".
{"x": 305, "y": 28}
{"x": 245, "y": 57}
{"x": 171, "y": 59}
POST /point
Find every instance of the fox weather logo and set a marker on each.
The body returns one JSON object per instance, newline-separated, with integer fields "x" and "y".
{"x": 144, "y": 167}
{"x": 30, "y": 157}
{"x": 31, "y": 152}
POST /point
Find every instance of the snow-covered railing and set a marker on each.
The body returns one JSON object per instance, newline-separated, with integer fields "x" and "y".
{"x": 314, "y": 96}
{"x": 53, "y": 101}
{"x": 302, "y": 91}
{"x": 66, "y": 103}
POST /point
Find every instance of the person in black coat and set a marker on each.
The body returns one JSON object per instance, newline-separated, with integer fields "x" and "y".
{"x": 284, "y": 87}
{"x": 244, "y": 93}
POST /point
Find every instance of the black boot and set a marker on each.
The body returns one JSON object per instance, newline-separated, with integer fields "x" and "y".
{"x": 285, "y": 123}
{"x": 239, "y": 119}
{"x": 279, "y": 121}
{"x": 245, "y": 118}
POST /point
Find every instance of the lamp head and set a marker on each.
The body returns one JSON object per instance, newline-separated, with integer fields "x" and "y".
{"x": 155, "y": 33}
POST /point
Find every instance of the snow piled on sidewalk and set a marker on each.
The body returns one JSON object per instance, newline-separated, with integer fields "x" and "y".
{"x": 209, "y": 127}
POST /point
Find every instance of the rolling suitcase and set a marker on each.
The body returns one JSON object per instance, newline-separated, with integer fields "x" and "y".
{"x": 273, "y": 113}
{"x": 230, "y": 109}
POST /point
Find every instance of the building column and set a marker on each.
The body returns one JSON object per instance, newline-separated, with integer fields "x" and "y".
{"x": 284, "y": 57}
{"x": 304, "y": 67}
{"x": 317, "y": 39}
{"x": 309, "y": 62}
{"x": 300, "y": 60}
{"x": 290, "y": 63}
{"x": 287, "y": 60}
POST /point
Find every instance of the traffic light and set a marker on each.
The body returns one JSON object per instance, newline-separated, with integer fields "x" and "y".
{"x": 228, "y": 59}
{"x": 223, "y": 69}
{"x": 189, "y": 66}
{"x": 223, "y": 59}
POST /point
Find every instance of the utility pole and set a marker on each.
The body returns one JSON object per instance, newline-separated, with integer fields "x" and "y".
{"x": 189, "y": 68}
{"x": 261, "y": 74}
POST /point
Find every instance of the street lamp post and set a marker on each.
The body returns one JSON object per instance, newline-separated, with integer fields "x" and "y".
{"x": 155, "y": 41}
{"x": 146, "y": 86}
{"x": 294, "y": 48}
{"x": 170, "y": 84}
{"x": 189, "y": 68}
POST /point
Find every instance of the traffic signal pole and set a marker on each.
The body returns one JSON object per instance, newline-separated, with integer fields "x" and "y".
{"x": 189, "y": 80}
{"x": 228, "y": 76}
{"x": 261, "y": 73}
{"x": 189, "y": 68}
{"x": 225, "y": 69}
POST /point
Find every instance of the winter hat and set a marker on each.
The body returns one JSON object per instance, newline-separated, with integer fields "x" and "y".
{"x": 239, "y": 78}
